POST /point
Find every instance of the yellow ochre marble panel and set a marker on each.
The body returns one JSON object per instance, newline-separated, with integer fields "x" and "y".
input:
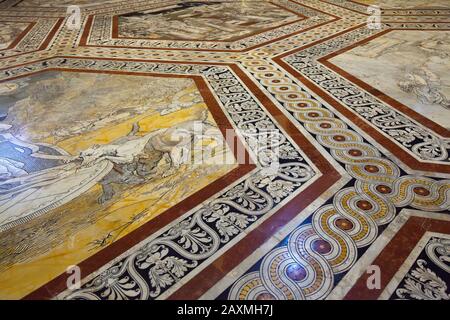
{"x": 134, "y": 190}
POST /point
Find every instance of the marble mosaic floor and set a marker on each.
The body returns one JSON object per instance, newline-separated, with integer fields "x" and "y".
{"x": 100, "y": 126}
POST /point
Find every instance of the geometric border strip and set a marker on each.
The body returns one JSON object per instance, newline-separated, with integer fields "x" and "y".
{"x": 390, "y": 12}
{"x": 37, "y": 36}
{"x": 424, "y": 268}
{"x": 239, "y": 207}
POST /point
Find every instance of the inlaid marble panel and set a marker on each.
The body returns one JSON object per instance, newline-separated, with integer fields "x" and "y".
{"x": 9, "y": 31}
{"x": 409, "y": 66}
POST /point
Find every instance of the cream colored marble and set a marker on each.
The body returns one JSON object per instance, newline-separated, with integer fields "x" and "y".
{"x": 409, "y": 66}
